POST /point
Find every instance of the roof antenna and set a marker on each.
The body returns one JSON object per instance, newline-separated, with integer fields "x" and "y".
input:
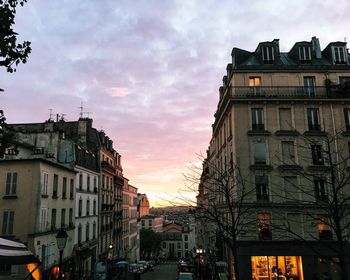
{"x": 50, "y": 118}
{"x": 81, "y": 110}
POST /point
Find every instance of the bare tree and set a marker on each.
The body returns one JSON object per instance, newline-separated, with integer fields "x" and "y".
{"x": 224, "y": 207}
{"x": 319, "y": 191}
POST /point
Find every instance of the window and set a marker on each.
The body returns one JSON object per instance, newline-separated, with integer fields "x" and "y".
{"x": 305, "y": 54}
{"x": 71, "y": 189}
{"x": 344, "y": 81}
{"x": 55, "y": 186}
{"x": 5, "y": 269}
{"x": 11, "y": 183}
{"x": 264, "y": 221}
{"x": 8, "y": 220}
{"x": 44, "y": 182}
{"x": 320, "y": 189}
{"x": 291, "y": 188}
{"x": 186, "y": 237}
{"x": 254, "y": 84}
{"x": 64, "y": 188}
{"x": 80, "y": 182}
{"x": 103, "y": 181}
{"x": 288, "y": 153}
{"x": 259, "y": 153}
{"x": 285, "y": 118}
{"x": 339, "y": 55}
{"x": 347, "y": 118}
{"x": 313, "y": 119}
{"x": 63, "y": 218}
{"x": 70, "y": 217}
{"x": 79, "y": 233}
{"x": 80, "y": 206}
{"x": 95, "y": 184}
{"x": 143, "y": 223}
{"x": 317, "y": 157}
{"x": 150, "y": 223}
{"x": 88, "y": 183}
{"x": 294, "y": 225}
{"x": 53, "y": 219}
{"x": 186, "y": 245}
{"x": 94, "y": 230}
{"x": 323, "y": 228}
{"x": 257, "y": 119}
{"x": 178, "y": 245}
{"x": 309, "y": 86}
{"x": 261, "y": 184}
{"x": 43, "y": 220}
{"x": 88, "y": 207}
{"x": 268, "y": 54}
{"x": 87, "y": 232}
{"x": 94, "y": 207}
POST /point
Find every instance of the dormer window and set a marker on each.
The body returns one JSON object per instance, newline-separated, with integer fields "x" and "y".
{"x": 268, "y": 54}
{"x": 339, "y": 55}
{"x": 305, "y": 54}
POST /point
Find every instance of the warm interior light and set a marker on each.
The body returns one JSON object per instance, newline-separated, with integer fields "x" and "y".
{"x": 36, "y": 274}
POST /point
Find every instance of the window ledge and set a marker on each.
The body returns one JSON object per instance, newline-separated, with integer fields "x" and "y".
{"x": 260, "y": 167}
{"x": 346, "y": 133}
{"x": 287, "y": 133}
{"x": 10, "y": 196}
{"x": 315, "y": 133}
{"x": 259, "y": 133}
{"x": 288, "y": 167}
{"x": 322, "y": 168}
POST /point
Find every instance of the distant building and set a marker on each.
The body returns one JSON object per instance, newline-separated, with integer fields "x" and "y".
{"x": 152, "y": 222}
{"x": 177, "y": 240}
{"x": 143, "y": 205}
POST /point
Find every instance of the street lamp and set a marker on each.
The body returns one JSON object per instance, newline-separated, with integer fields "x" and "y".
{"x": 61, "y": 239}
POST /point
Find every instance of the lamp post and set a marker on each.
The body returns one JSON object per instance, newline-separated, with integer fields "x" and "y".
{"x": 61, "y": 239}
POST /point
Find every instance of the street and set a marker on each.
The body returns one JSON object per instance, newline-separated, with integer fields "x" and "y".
{"x": 164, "y": 271}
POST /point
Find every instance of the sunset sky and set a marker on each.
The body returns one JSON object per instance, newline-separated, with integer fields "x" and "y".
{"x": 149, "y": 71}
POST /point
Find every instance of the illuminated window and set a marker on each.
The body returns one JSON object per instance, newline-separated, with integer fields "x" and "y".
{"x": 276, "y": 267}
{"x": 254, "y": 81}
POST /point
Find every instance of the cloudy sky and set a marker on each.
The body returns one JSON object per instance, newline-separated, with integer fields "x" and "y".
{"x": 149, "y": 70}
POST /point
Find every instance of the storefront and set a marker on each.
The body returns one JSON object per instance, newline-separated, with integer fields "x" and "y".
{"x": 277, "y": 267}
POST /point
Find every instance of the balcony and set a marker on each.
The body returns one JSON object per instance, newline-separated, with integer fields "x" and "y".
{"x": 289, "y": 92}
{"x": 108, "y": 166}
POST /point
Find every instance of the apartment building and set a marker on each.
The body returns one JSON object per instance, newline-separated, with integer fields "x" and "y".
{"x": 131, "y": 232}
{"x": 278, "y": 116}
{"x": 86, "y": 210}
{"x": 37, "y": 199}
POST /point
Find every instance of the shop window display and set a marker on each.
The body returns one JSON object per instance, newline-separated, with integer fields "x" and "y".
{"x": 276, "y": 267}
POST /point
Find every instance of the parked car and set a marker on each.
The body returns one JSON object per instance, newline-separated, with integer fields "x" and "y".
{"x": 185, "y": 276}
{"x": 146, "y": 265}
{"x": 136, "y": 268}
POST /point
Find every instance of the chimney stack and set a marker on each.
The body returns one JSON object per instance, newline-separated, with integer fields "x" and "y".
{"x": 316, "y": 49}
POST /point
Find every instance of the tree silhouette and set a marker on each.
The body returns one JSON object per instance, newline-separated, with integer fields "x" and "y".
{"x": 224, "y": 208}
{"x": 11, "y": 54}
{"x": 318, "y": 191}
{"x": 150, "y": 242}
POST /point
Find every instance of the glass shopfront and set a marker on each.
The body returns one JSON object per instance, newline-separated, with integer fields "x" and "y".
{"x": 277, "y": 267}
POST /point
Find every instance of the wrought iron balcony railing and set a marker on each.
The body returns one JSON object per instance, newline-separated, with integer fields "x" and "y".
{"x": 287, "y": 92}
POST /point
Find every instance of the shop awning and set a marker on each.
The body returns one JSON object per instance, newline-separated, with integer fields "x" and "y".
{"x": 15, "y": 253}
